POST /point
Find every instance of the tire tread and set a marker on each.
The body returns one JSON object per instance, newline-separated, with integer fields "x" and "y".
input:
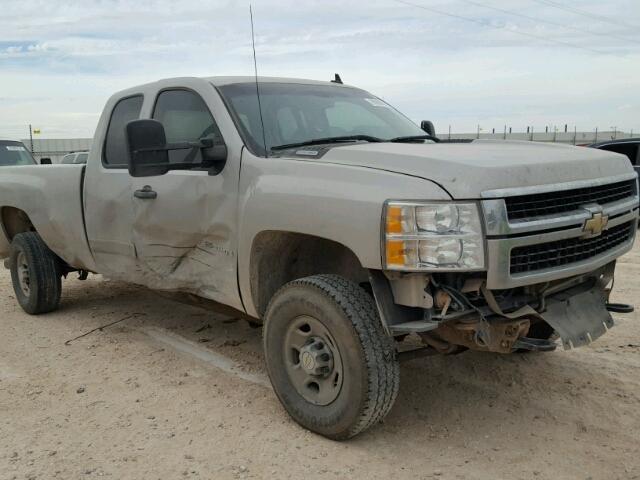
{"x": 46, "y": 273}
{"x": 378, "y": 347}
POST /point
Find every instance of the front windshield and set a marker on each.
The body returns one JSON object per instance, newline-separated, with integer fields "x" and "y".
{"x": 14, "y": 153}
{"x": 295, "y": 113}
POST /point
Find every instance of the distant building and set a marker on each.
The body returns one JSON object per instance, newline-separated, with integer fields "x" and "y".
{"x": 56, "y": 148}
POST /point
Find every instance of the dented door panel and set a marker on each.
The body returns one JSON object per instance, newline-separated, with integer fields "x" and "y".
{"x": 185, "y": 238}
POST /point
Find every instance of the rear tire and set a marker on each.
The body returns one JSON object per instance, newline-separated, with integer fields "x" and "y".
{"x": 35, "y": 274}
{"x": 330, "y": 362}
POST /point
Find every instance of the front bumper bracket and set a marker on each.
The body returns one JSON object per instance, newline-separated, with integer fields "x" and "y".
{"x": 579, "y": 318}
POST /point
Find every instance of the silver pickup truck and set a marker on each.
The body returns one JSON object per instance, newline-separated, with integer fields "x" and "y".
{"x": 318, "y": 210}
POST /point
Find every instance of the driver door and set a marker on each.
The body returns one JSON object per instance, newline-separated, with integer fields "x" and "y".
{"x": 184, "y": 222}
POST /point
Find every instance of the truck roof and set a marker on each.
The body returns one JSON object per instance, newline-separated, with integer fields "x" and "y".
{"x": 220, "y": 81}
{"x": 224, "y": 80}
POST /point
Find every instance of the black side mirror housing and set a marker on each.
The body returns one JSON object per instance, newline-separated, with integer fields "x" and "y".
{"x": 214, "y": 157}
{"x": 147, "y": 147}
{"x": 45, "y": 161}
{"x": 428, "y": 127}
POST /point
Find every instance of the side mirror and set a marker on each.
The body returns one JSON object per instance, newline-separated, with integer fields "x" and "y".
{"x": 428, "y": 127}
{"x": 147, "y": 147}
{"x": 215, "y": 157}
{"x": 45, "y": 161}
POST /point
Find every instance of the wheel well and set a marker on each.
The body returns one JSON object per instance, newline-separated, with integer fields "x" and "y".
{"x": 15, "y": 221}
{"x": 279, "y": 257}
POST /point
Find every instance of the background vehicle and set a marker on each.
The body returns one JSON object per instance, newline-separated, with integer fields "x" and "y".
{"x": 627, "y": 146}
{"x": 322, "y": 212}
{"x": 75, "y": 158}
{"x": 15, "y": 153}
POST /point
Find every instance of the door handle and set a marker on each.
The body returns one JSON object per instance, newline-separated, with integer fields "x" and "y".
{"x": 146, "y": 193}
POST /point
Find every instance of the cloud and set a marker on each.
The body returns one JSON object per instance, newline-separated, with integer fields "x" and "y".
{"x": 469, "y": 64}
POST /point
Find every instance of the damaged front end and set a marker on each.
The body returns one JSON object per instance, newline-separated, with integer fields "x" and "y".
{"x": 514, "y": 270}
{"x": 455, "y": 312}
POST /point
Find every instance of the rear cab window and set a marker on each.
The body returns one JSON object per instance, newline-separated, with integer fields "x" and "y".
{"x": 114, "y": 153}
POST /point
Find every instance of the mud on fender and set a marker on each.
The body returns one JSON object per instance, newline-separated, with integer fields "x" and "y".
{"x": 579, "y": 315}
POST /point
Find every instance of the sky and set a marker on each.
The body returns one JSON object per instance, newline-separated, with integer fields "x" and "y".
{"x": 459, "y": 63}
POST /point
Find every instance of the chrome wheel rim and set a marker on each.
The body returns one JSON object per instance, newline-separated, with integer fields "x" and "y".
{"x": 23, "y": 274}
{"x": 312, "y": 360}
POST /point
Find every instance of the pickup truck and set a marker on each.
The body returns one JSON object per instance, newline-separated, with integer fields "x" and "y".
{"x": 319, "y": 211}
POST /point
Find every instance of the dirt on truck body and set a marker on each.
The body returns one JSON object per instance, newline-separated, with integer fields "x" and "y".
{"x": 324, "y": 214}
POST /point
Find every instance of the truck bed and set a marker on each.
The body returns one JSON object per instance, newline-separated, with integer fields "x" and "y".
{"x": 52, "y": 198}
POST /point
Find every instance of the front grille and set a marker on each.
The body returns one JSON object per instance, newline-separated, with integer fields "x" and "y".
{"x": 553, "y": 203}
{"x": 529, "y": 258}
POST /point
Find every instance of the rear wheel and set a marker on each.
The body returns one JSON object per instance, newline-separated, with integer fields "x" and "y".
{"x": 35, "y": 274}
{"x": 330, "y": 362}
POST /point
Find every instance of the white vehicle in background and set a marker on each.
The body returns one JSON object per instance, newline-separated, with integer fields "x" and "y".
{"x": 75, "y": 158}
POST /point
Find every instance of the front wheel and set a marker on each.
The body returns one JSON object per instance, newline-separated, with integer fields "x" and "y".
{"x": 35, "y": 274}
{"x": 330, "y": 362}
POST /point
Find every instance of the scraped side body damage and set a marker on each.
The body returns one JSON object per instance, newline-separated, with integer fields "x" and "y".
{"x": 184, "y": 239}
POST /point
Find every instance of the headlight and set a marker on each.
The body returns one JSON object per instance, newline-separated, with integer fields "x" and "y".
{"x": 433, "y": 236}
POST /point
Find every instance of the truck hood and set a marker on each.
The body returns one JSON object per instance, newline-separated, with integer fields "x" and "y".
{"x": 466, "y": 170}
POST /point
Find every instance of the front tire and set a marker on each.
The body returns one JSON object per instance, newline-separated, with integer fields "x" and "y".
{"x": 35, "y": 274}
{"x": 330, "y": 362}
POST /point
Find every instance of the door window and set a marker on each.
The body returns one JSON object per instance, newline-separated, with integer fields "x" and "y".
{"x": 115, "y": 149}
{"x": 185, "y": 118}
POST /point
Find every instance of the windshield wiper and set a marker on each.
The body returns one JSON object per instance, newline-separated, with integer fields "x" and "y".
{"x": 319, "y": 141}
{"x": 413, "y": 138}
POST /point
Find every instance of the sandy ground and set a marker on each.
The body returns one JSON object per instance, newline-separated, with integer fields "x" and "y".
{"x": 178, "y": 392}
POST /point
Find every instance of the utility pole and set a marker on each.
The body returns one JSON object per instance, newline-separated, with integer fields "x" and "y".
{"x": 615, "y": 131}
{"x": 596, "y": 140}
{"x": 449, "y": 132}
{"x": 31, "y": 138}
{"x": 575, "y": 134}
{"x": 478, "y": 136}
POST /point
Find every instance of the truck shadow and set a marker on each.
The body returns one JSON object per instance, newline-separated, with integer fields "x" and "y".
{"x": 468, "y": 397}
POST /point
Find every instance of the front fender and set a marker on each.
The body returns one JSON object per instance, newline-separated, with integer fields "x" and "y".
{"x": 336, "y": 202}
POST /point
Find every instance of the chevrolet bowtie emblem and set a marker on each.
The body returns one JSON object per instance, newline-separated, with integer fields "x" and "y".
{"x": 596, "y": 224}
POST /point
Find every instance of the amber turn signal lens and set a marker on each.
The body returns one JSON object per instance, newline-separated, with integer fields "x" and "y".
{"x": 395, "y": 252}
{"x": 394, "y": 219}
